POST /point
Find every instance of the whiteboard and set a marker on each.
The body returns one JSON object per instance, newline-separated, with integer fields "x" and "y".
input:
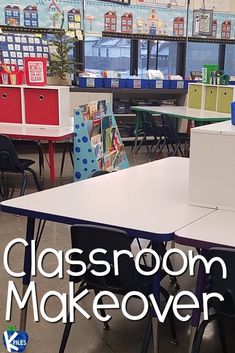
{"x": 216, "y": 5}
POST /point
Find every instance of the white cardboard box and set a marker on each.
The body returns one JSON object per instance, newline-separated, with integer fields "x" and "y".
{"x": 212, "y": 166}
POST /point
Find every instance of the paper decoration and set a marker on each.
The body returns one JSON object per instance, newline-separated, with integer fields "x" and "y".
{"x": 35, "y": 71}
{"x": 202, "y": 22}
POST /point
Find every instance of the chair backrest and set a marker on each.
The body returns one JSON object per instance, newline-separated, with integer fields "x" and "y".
{"x": 8, "y": 157}
{"x": 98, "y": 173}
{"x": 226, "y": 287}
{"x": 150, "y": 126}
{"x": 170, "y": 125}
{"x": 88, "y": 238}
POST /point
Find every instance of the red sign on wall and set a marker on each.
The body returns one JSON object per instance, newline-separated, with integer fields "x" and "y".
{"x": 35, "y": 71}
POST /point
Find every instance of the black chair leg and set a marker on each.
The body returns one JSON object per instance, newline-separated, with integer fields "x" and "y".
{"x": 180, "y": 149}
{"x": 62, "y": 163}
{"x": 222, "y": 334}
{"x": 23, "y": 184}
{"x": 35, "y": 178}
{"x": 171, "y": 316}
{"x": 65, "y": 336}
{"x": 140, "y": 144}
{"x": 173, "y": 279}
{"x": 102, "y": 313}
{"x": 68, "y": 326}
{"x": 176, "y": 149}
{"x": 147, "y": 337}
{"x": 160, "y": 149}
{"x": 40, "y": 159}
{"x": 71, "y": 156}
{"x": 198, "y": 338}
{"x": 3, "y": 188}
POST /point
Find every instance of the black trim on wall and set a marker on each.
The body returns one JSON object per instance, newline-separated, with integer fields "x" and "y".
{"x": 134, "y": 57}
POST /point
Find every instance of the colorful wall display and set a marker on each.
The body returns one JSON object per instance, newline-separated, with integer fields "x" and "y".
{"x": 154, "y": 17}
{"x": 15, "y": 47}
{"x": 97, "y": 141}
{"x": 41, "y": 13}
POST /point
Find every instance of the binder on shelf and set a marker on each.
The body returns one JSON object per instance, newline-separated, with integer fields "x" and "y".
{"x": 97, "y": 141}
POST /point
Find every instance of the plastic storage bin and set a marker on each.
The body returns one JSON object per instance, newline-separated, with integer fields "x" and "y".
{"x": 165, "y": 84}
{"x": 90, "y": 82}
{"x": 136, "y": 83}
{"x": 114, "y": 83}
{"x": 179, "y": 84}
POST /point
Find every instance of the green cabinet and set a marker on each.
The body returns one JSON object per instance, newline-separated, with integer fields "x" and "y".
{"x": 211, "y": 98}
{"x": 195, "y": 96}
{"x": 225, "y": 98}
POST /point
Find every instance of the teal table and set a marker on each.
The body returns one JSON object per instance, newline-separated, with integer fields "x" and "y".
{"x": 179, "y": 112}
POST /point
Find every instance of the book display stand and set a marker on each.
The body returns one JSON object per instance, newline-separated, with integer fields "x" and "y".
{"x": 97, "y": 141}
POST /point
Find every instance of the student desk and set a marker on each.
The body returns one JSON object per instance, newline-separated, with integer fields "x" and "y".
{"x": 215, "y": 230}
{"x": 148, "y": 201}
{"x": 49, "y": 134}
{"x": 180, "y": 112}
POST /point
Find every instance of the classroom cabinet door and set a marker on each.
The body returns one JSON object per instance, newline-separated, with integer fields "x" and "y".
{"x": 211, "y": 98}
{"x": 41, "y": 106}
{"x": 10, "y": 105}
{"x": 225, "y": 98}
{"x": 195, "y": 96}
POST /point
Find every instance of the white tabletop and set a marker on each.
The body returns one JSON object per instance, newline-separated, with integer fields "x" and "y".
{"x": 149, "y": 199}
{"x": 225, "y": 127}
{"x": 216, "y": 229}
{"x": 42, "y": 132}
{"x": 185, "y": 112}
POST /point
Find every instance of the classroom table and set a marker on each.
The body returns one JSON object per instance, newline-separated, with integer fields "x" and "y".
{"x": 49, "y": 134}
{"x": 147, "y": 201}
{"x": 179, "y": 112}
{"x": 215, "y": 230}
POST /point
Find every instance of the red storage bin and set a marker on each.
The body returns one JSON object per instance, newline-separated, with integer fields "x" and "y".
{"x": 10, "y": 105}
{"x": 41, "y": 106}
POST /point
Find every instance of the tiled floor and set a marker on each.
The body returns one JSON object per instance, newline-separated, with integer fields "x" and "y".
{"x": 86, "y": 336}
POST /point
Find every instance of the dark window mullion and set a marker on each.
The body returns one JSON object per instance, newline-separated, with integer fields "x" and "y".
{"x": 221, "y": 59}
{"x": 134, "y": 57}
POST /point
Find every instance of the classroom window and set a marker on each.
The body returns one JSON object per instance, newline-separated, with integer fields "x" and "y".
{"x": 229, "y": 65}
{"x": 199, "y": 54}
{"x": 142, "y": 58}
{"x": 111, "y": 54}
{"x": 163, "y": 56}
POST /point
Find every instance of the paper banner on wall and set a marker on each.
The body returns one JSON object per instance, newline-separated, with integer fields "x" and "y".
{"x": 97, "y": 141}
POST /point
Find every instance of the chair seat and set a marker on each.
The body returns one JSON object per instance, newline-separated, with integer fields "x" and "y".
{"x": 25, "y": 163}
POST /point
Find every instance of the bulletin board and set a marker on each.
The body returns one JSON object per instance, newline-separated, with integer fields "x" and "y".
{"x": 15, "y": 47}
{"x": 97, "y": 141}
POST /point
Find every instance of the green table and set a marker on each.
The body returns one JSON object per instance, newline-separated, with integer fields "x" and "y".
{"x": 180, "y": 112}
